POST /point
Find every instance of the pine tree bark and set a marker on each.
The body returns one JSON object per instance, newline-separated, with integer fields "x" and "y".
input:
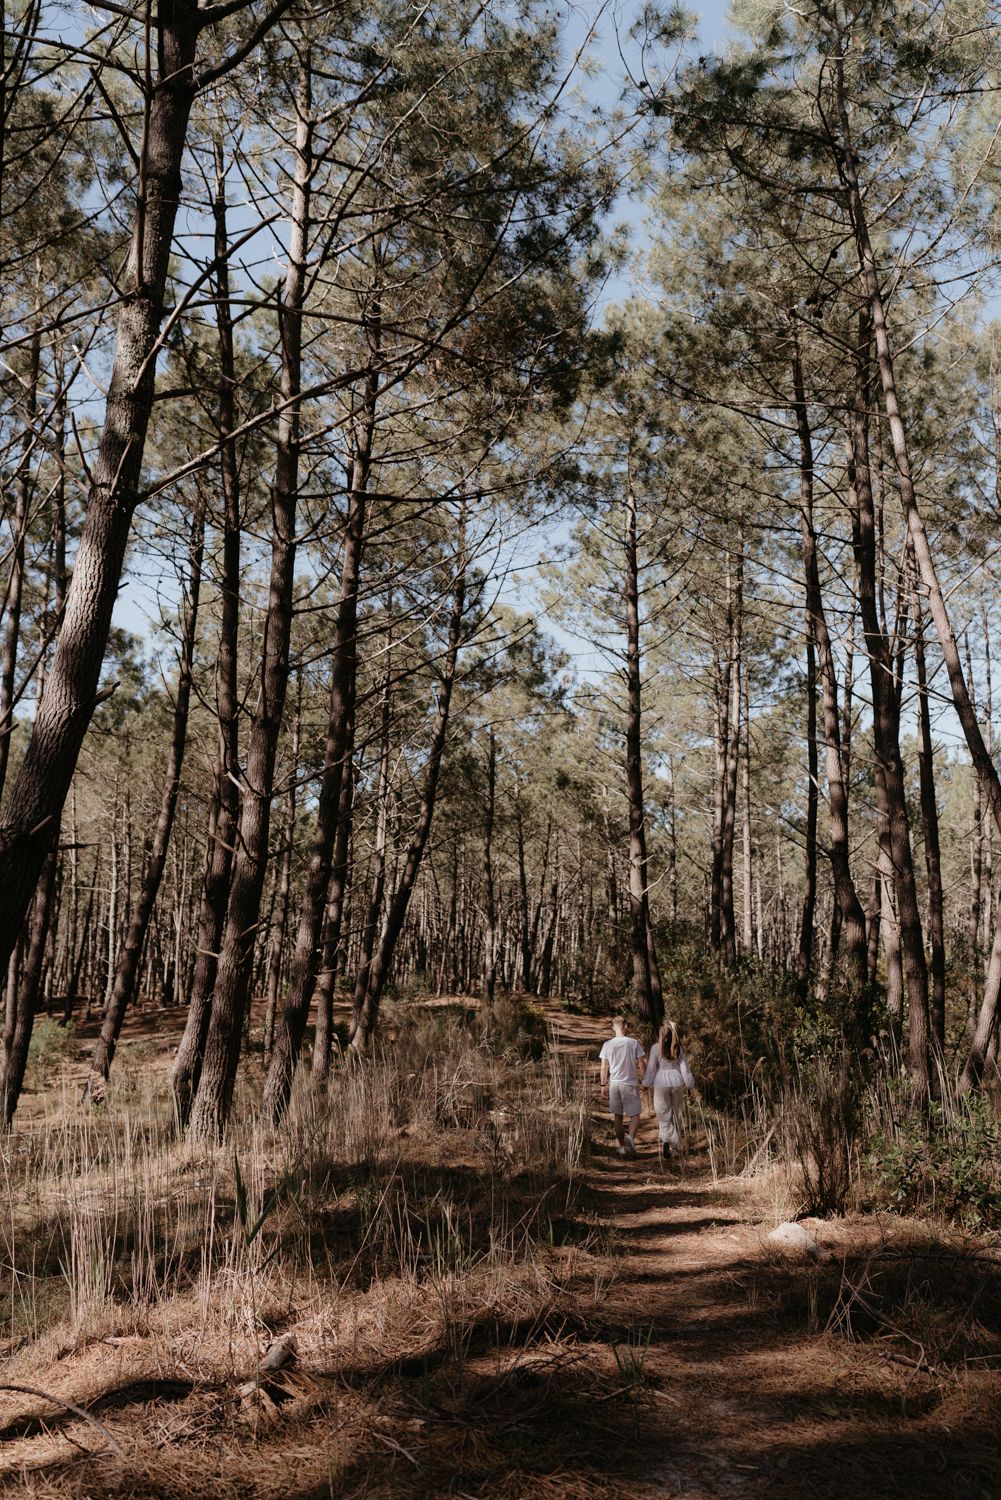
{"x": 16, "y": 1054}
{"x": 127, "y": 969}
{"x": 378, "y": 884}
{"x": 985, "y": 1030}
{"x": 284, "y": 886}
{"x": 211, "y": 1107}
{"x": 224, "y": 809}
{"x": 721, "y": 725}
{"x": 849, "y": 906}
{"x": 489, "y": 902}
{"x": 728, "y": 922}
{"x": 305, "y": 959}
{"x": 15, "y": 583}
{"x": 929, "y": 819}
{"x": 804, "y": 958}
{"x": 333, "y": 946}
{"x": 745, "y": 818}
{"x": 642, "y": 943}
{"x": 891, "y": 801}
{"x": 915, "y": 967}
{"x": 36, "y": 801}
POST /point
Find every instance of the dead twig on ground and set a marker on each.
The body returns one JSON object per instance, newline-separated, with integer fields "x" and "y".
{"x": 78, "y": 1411}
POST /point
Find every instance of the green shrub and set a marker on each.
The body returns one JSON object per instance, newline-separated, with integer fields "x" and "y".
{"x": 51, "y": 1045}
{"x": 945, "y": 1161}
{"x": 514, "y": 1023}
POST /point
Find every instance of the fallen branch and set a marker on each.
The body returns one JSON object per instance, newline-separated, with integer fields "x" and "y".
{"x": 914, "y": 1364}
{"x": 78, "y": 1411}
{"x": 746, "y": 1172}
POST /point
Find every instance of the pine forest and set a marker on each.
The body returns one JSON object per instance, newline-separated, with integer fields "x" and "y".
{"x": 499, "y": 513}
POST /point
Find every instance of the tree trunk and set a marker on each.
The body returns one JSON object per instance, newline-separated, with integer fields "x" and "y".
{"x": 973, "y": 1070}
{"x": 929, "y": 819}
{"x": 525, "y": 971}
{"x": 305, "y": 959}
{"x": 16, "y": 1054}
{"x": 333, "y": 922}
{"x": 284, "y": 884}
{"x": 728, "y": 923}
{"x": 721, "y": 704}
{"x": 210, "y": 1111}
{"x": 489, "y": 903}
{"x": 852, "y": 915}
{"x": 127, "y": 969}
{"x": 638, "y": 910}
{"x": 916, "y": 970}
{"x": 36, "y": 802}
{"x": 15, "y": 584}
{"x": 224, "y": 809}
{"x": 745, "y": 818}
{"x": 379, "y": 971}
{"x": 804, "y": 958}
{"x": 378, "y": 888}
{"x": 891, "y": 800}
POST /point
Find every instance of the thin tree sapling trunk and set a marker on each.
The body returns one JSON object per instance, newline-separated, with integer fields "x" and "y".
{"x": 379, "y": 971}
{"x": 130, "y": 953}
{"x": 284, "y": 884}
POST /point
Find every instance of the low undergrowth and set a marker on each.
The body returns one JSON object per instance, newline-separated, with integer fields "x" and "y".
{"x": 447, "y": 1152}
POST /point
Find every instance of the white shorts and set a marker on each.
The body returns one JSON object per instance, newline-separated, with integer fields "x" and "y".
{"x": 624, "y": 1099}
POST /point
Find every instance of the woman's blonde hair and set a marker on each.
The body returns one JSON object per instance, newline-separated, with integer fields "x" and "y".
{"x": 669, "y": 1040}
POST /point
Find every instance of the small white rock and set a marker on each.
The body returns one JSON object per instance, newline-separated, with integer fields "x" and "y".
{"x": 793, "y": 1239}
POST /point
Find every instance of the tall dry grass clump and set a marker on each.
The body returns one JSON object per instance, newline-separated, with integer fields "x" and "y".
{"x": 434, "y": 1178}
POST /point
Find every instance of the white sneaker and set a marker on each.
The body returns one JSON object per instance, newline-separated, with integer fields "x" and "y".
{"x": 630, "y": 1146}
{"x": 623, "y": 1152}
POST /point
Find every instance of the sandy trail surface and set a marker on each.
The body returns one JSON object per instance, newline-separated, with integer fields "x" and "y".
{"x": 744, "y": 1392}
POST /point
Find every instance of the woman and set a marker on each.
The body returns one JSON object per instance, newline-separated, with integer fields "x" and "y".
{"x": 669, "y": 1075}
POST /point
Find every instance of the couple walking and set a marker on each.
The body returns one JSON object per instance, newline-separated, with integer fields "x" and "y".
{"x": 623, "y": 1079}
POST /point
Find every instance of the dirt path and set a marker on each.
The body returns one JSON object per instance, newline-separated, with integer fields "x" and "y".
{"x": 743, "y": 1393}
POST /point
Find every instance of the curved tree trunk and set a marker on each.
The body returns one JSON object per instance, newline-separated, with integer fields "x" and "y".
{"x": 987, "y": 1020}
{"x": 35, "y": 804}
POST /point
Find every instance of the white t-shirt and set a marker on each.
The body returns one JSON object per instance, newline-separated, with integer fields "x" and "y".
{"x": 622, "y": 1054}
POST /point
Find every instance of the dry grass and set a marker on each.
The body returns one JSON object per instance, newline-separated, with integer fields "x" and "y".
{"x": 425, "y": 1214}
{"x": 487, "y": 1303}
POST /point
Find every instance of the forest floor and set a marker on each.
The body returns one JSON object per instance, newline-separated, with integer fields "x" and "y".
{"x": 685, "y": 1357}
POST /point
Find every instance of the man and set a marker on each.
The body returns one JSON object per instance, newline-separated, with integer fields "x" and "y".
{"x": 621, "y": 1071}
